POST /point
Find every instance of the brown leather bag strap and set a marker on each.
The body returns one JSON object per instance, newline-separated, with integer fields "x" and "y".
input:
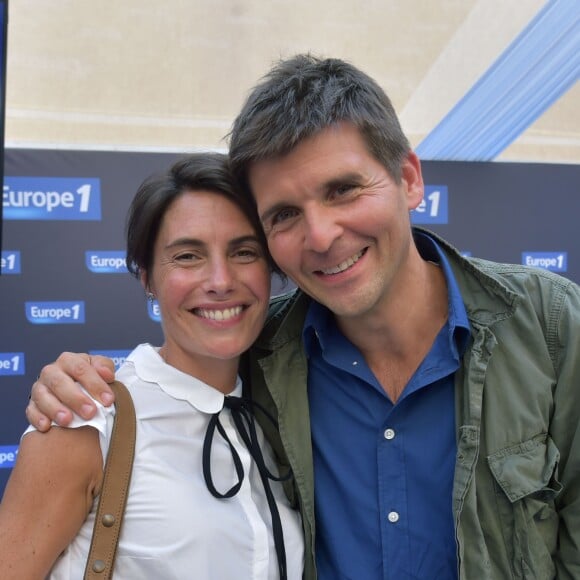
{"x": 117, "y": 476}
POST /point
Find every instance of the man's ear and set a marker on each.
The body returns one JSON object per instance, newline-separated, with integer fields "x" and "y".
{"x": 412, "y": 177}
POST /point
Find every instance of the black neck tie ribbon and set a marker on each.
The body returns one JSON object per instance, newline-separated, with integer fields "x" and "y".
{"x": 242, "y": 410}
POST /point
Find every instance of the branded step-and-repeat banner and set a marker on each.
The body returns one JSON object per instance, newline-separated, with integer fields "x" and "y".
{"x": 64, "y": 285}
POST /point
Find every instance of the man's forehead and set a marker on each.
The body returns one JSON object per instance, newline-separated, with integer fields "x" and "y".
{"x": 286, "y": 150}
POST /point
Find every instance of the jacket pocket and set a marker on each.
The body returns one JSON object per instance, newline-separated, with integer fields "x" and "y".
{"x": 527, "y": 485}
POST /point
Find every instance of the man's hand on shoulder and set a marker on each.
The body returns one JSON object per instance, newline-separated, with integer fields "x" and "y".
{"x": 56, "y": 394}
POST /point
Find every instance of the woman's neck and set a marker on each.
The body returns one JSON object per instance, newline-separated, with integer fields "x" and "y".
{"x": 220, "y": 374}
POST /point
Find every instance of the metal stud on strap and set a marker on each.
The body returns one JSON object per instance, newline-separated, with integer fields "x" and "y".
{"x": 98, "y": 566}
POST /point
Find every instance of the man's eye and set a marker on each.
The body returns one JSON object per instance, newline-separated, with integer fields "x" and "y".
{"x": 342, "y": 190}
{"x": 283, "y": 215}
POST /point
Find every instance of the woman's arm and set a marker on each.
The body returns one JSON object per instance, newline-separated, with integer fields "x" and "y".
{"x": 47, "y": 499}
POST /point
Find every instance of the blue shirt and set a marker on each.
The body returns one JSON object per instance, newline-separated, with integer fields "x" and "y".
{"x": 383, "y": 473}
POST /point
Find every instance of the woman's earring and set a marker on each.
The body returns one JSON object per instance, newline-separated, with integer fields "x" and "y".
{"x": 150, "y": 296}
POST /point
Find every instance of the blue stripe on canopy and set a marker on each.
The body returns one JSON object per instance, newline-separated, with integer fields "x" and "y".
{"x": 539, "y": 66}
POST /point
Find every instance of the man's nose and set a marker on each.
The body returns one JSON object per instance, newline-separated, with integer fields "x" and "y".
{"x": 320, "y": 229}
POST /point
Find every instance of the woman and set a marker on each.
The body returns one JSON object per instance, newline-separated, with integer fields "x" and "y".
{"x": 197, "y": 248}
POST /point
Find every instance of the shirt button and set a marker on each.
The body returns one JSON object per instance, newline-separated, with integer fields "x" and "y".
{"x": 389, "y": 434}
{"x": 393, "y": 517}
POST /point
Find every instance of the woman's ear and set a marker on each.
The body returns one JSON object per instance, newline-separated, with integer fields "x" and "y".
{"x": 143, "y": 278}
{"x": 147, "y": 287}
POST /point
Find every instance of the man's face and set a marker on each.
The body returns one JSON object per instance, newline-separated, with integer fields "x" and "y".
{"x": 336, "y": 222}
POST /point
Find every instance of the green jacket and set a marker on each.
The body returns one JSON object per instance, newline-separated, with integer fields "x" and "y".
{"x": 516, "y": 495}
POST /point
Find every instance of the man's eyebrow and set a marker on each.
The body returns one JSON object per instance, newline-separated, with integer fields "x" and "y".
{"x": 328, "y": 185}
{"x": 273, "y": 210}
{"x": 343, "y": 178}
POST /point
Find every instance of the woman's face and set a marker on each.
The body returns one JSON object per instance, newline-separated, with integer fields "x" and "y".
{"x": 212, "y": 282}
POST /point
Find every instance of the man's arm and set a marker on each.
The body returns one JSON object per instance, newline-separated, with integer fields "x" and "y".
{"x": 56, "y": 393}
{"x": 47, "y": 499}
{"x": 565, "y": 430}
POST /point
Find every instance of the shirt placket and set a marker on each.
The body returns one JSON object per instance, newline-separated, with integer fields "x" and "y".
{"x": 393, "y": 499}
{"x": 259, "y": 532}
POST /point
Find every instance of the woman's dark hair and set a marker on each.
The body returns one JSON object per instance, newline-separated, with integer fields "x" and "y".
{"x": 198, "y": 171}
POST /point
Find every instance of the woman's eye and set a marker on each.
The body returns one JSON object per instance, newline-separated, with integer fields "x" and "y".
{"x": 247, "y": 254}
{"x": 186, "y": 257}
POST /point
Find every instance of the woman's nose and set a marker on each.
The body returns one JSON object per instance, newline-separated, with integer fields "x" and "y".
{"x": 220, "y": 277}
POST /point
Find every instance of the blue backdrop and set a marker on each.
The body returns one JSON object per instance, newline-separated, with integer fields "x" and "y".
{"x": 64, "y": 286}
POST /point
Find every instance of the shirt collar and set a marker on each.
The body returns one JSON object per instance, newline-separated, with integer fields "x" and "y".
{"x": 151, "y": 368}
{"x": 320, "y": 327}
{"x": 458, "y": 322}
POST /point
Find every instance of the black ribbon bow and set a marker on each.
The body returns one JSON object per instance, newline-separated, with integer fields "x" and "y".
{"x": 242, "y": 410}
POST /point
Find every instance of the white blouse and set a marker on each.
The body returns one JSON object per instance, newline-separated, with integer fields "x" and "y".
{"x": 174, "y": 528}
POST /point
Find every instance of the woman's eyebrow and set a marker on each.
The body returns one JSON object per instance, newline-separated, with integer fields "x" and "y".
{"x": 200, "y": 243}
{"x": 185, "y": 242}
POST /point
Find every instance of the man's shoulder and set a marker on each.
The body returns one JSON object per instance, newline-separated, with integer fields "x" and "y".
{"x": 494, "y": 292}
{"x": 280, "y": 303}
{"x": 510, "y": 277}
{"x": 523, "y": 279}
{"x": 285, "y": 318}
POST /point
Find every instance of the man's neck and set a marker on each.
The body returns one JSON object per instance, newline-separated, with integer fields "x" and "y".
{"x": 397, "y": 336}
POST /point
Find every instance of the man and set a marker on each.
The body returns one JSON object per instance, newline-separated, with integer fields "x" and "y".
{"x": 428, "y": 404}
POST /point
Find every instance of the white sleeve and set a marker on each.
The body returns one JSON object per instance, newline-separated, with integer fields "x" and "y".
{"x": 102, "y": 422}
